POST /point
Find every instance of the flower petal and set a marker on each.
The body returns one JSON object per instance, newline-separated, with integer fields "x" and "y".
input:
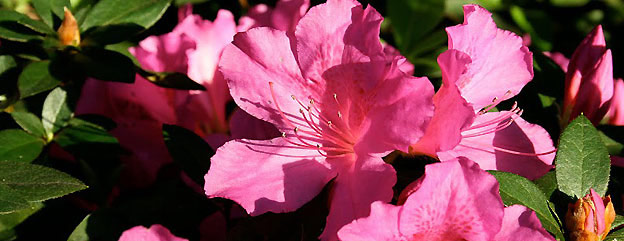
{"x": 368, "y": 228}
{"x": 355, "y": 188}
{"x": 155, "y": 232}
{"x": 616, "y": 110}
{"x": 245, "y": 126}
{"x": 256, "y": 58}
{"x": 520, "y": 136}
{"x": 452, "y": 112}
{"x": 500, "y": 63}
{"x": 266, "y": 176}
{"x": 520, "y": 223}
{"x": 455, "y": 201}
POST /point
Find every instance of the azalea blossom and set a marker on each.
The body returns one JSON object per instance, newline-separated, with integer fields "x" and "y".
{"x": 590, "y": 218}
{"x": 341, "y": 104}
{"x": 483, "y": 67}
{"x": 589, "y": 80}
{"x": 284, "y": 17}
{"x": 455, "y": 200}
{"x": 155, "y": 232}
{"x": 615, "y": 115}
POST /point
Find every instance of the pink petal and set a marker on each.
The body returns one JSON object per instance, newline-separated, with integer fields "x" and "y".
{"x": 519, "y": 224}
{"x": 167, "y": 52}
{"x": 355, "y": 188}
{"x": 456, "y": 200}
{"x": 559, "y": 59}
{"x": 500, "y": 63}
{"x": 617, "y": 161}
{"x": 266, "y": 176}
{"x": 452, "y": 112}
{"x": 258, "y": 16}
{"x": 156, "y": 232}
{"x": 520, "y": 136}
{"x": 287, "y": 14}
{"x": 404, "y": 64}
{"x": 368, "y": 228}
{"x": 245, "y": 126}
{"x": 256, "y": 58}
{"x": 600, "y": 210}
{"x": 616, "y": 110}
{"x": 596, "y": 90}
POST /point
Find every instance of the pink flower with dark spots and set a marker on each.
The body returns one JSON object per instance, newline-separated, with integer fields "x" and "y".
{"x": 341, "y": 104}
{"x": 483, "y": 67}
{"x": 455, "y": 200}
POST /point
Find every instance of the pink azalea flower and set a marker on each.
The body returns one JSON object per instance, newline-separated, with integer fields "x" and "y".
{"x": 140, "y": 109}
{"x": 454, "y": 200}
{"x": 484, "y": 66}
{"x": 559, "y": 59}
{"x": 589, "y": 80}
{"x": 341, "y": 104}
{"x": 284, "y": 17}
{"x": 156, "y": 232}
{"x": 616, "y": 110}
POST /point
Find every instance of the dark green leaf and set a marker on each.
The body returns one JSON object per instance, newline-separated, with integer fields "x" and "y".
{"x": 619, "y": 220}
{"x": 569, "y": 3}
{"x": 36, "y": 78}
{"x": 36, "y": 183}
{"x": 17, "y": 145}
{"x": 515, "y": 189}
{"x": 412, "y": 20}
{"x": 172, "y": 80}
{"x": 189, "y": 150}
{"x": 29, "y": 122}
{"x": 582, "y": 160}
{"x": 56, "y": 112}
{"x": 107, "y": 65}
{"x": 613, "y": 136}
{"x": 539, "y": 32}
{"x": 617, "y": 235}
{"x": 10, "y": 200}
{"x": 9, "y": 221}
{"x": 81, "y": 131}
{"x": 6, "y": 62}
{"x": 110, "y": 12}
{"x": 111, "y": 34}
{"x": 547, "y": 183}
{"x": 47, "y": 9}
{"x": 13, "y": 26}
{"x": 122, "y": 48}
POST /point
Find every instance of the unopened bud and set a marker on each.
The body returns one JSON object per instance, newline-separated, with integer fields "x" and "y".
{"x": 69, "y": 33}
{"x": 590, "y": 218}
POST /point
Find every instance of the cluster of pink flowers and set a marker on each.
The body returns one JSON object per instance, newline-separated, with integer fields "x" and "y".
{"x": 322, "y": 99}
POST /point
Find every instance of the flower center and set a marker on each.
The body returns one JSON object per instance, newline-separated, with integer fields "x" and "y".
{"x": 313, "y": 129}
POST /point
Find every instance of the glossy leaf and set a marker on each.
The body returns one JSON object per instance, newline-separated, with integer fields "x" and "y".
{"x": 582, "y": 160}
{"x": 80, "y": 232}
{"x": 17, "y": 145}
{"x": 515, "y": 189}
{"x": 10, "y": 200}
{"x": 110, "y": 12}
{"x": 412, "y": 20}
{"x": 29, "y": 122}
{"x": 36, "y": 78}
{"x": 80, "y": 131}
{"x": 56, "y": 112}
{"x": 12, "y": 29}
{"x": 172, "y": 80}
{"x": 11, "y": 220}
{"x": 35, "y": 183}
{"x": 189, "y": 150}
{"x": 6, "y": 62}
{"x": 547, "y": 183}
{"x": 111, "y": 34}
{"x": 107, "y": 65}
{"x": 569, "y": 3}
{"x": 48, "y": 9}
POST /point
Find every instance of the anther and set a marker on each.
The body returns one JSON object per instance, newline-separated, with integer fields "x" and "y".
{"x": 283, "y": 134}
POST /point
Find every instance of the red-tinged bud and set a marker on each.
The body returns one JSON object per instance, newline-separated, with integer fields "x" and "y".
{"x": 589, "y": 80}
{"x": 69, "y": 33}
{"x": 590, "y": 218}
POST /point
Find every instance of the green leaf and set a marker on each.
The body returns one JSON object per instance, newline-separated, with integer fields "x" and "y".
{"x": 10, "y": 200}
{"x": 110, "y": 12}
{"x": 29, "y": 122}
{"x": 569, "y": 3}
{"x": 547, "y": 183}
{"x": 7, "y": 62}
{"x": 524, "y": 18}
{"x": 56, "y": 112}
{"x": 172, "y": 80}
{"x": 36, "y": 78}
{"x": 110, "y": 34}
{"x": 515, "y": 189}
{"x": 13, "y": 26}
{"x": 190, "y": 151}
{"x": 11, "y": 220}
{"x": 582, "y": 160}
{"x": 617, "y": 235}
{"x": 619, "y": 220}
{"x": 47, "y": 9}
{"x": 80, "y": 232}
{"x": 35, "y": 183}
{"x": 412, "y": 20}
{"x": 80, "y": 131}
{"x": 106, "y": 65}
{"x": 17, "y": 145}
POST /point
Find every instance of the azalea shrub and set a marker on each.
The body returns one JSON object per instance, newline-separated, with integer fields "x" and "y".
{"x": 311, "y": 120}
